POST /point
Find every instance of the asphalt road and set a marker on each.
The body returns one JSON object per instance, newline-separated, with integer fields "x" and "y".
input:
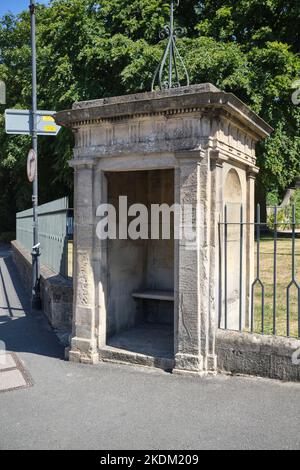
{"x": 72, "y": 406}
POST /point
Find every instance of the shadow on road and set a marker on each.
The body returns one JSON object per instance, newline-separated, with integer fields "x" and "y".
{"x": 21, "y": 329}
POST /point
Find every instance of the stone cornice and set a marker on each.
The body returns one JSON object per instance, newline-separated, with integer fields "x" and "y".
{"x": 192, "y": 155}
{"x": 185, "y": 100}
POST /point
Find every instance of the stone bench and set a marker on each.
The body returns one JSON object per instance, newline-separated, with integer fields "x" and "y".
{"x": 154, "y": 295}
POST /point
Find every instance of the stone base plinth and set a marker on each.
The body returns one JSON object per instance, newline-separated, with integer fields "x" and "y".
{"x": 81, "y": 351}
{"x": 194, "y": 365}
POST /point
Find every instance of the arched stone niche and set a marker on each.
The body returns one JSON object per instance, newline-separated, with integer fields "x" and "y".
{"x": 233, "y": 188}
{"x": 233, "y": 211}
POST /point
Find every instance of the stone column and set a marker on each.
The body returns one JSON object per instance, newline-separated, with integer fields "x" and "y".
{"x": 84, "y": 335}
{"x": 192, "y": 264}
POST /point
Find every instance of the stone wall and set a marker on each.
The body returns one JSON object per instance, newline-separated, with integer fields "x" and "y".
{"x": 252, "y": 354}
{"x": 56, "y": 291}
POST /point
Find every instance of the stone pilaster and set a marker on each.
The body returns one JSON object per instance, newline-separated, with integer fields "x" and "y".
{"x": 191, "y": 266}
{"x": 100, "y": 259}
{"x": 84, "y": 338}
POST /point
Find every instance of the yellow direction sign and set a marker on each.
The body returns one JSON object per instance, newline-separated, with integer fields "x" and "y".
{"x": 19, "y": 121}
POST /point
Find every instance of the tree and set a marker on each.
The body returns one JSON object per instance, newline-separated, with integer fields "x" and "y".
{"x": 251, "y": 22}
{"x": 89, "y": 49}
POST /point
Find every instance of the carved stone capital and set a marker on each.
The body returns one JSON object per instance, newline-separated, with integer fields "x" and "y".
{"x": 78, "y": 163}
{"x": 216, "y": 159}
{"x": 252, "y": 172}
{"x": 190, "y": 155}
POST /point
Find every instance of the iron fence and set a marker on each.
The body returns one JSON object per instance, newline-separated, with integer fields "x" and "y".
{"x": 55, "y": 229}
{"x": 259, "y": 289}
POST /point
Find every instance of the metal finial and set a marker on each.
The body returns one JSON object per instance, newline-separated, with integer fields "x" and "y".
{"x": 170, "y": 55}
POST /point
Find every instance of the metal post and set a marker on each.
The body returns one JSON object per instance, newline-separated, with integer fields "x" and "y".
{"x": 170, "y": 79}
{"x": 225, "y": 268}
{"x": 220, "y": 272}
{"x": 241, "y": 267}
{"x": 275, "y": 273}
{"x": 171, "y": 46}
{"x": 258, "y": 280}
{"x": 36, "y": 302}
{"x": 293, "y": 282}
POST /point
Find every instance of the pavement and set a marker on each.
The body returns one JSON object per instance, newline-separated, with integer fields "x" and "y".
{"x": 110, "y": 407}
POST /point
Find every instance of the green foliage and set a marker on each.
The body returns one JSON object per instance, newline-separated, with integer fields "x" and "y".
{"x": 296, "y": 202}
{"x": 283, "y": 220}
{"x": 7, "y": 237}
{"x": 251, "y": 22}
{"x": 285, "y": 215}
{"x": 272, "y": 198}
{"x": 89, "y": 49}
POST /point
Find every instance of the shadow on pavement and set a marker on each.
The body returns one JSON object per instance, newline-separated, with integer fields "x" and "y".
{"x": 21, "y": 329}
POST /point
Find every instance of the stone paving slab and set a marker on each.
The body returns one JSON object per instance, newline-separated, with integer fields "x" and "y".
{"x": 7, "y": 362}
{"x": 11, "y": 380}
{"x": 12, "y": 373}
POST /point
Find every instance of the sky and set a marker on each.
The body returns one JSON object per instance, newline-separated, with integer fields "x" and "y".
{"x": 15, "y": 6}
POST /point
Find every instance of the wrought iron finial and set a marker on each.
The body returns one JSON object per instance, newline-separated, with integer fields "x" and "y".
{"x": 167, "y": 75}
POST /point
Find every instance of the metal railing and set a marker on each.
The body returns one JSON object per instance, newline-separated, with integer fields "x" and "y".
{"x": 259, "y": 289}
{"x": 55, "y": 220}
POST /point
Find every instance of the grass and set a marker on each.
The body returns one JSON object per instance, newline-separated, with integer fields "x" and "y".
{"x": 284, "y": 277}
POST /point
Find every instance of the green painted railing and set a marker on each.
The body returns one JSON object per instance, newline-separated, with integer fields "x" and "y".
{"x": 54, "y": 219}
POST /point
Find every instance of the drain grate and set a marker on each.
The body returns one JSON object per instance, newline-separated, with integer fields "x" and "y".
{"x": 13, "y": 376}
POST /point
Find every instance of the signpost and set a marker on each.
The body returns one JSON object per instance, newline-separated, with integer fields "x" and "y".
{"x": 36, "y": 299}
{"x": 34, "y": 123}
{"x": 20, "y": 121}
